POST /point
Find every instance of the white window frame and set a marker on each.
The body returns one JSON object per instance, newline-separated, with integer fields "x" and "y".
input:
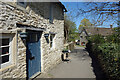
{"x": 3, "y": 65}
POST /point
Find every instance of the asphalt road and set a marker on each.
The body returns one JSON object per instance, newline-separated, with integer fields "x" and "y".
{"x": 79, "y": 66}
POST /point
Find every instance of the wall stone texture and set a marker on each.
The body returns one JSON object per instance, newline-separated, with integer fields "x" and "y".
{"x": 36, "y": 14}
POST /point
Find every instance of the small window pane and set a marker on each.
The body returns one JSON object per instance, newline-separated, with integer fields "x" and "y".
{"x": 51, "y": 38}
{"x": 4, "y": 58}
{"x": 0, "y": 51}
{"x": 5, "y": 42}
{"x": 5, "y": 50}
{"x": 33, "y": 38}
{"x": 81, "y": 36}
{"x": 28, "y": 38}
{"x": 0, "y": 42}
{"x": 0, "y": 61}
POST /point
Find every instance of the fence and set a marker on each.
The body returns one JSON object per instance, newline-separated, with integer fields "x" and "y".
{"x": 70, "y": 46}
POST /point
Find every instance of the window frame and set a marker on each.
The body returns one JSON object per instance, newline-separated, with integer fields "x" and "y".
{"x": 3, "y": 65}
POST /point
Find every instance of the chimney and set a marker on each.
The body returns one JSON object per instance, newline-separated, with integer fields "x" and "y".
{"x": 111, "y": 26}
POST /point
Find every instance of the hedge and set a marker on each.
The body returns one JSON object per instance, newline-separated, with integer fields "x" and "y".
{"x": 108, "y": 54}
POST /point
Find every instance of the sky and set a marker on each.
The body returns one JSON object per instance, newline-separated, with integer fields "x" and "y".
{"x": 73, "y": 9}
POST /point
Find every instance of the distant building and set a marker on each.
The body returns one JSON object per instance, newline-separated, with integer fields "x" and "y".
{"x": 85, "y": 32}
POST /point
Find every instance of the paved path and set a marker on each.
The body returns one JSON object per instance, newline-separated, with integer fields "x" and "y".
{"x": 79, "y": 67}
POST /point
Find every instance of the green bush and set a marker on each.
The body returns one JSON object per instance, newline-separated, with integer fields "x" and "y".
{"x": 114, "y": 38}
{"x": 97, "y": 39}
{"x": 108, "y": 53}
{"x": 110, "y": 58}
{"x": 93, "y": 42}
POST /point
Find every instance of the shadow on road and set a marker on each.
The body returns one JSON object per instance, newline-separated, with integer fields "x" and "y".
{"x": 81, "y": 54}
{"x": 75, "y": 51}
{"x": 97, "y": 69}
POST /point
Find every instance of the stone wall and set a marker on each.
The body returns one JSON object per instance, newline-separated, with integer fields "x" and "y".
{"x": 36, "y": 14}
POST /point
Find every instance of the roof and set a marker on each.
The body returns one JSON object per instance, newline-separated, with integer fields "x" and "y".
{"x": 101, "y": 31}
{"x": 62, "y": 5}
{"x": 83, "y": 29}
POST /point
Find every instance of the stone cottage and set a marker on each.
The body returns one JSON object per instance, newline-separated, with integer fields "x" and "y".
{"x": 31, "y": 37}
{"x": 86, "y": 32}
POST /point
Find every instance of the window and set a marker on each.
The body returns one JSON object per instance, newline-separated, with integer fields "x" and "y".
{"x": 33, "y": 37}
{"x": 5, "y": 51}
{"x": 81, "y": 36}
{"x": 21, "y": 3}
{"x": 86, "y": 37}
{"x": 51, "y": 40}
{"x": 51, "y": 14}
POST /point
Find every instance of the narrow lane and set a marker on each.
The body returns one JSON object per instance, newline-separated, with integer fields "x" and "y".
{"x": 79, "y": 66}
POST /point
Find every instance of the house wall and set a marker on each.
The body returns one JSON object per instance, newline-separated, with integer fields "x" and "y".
{"x": 83, "y": 39}
{"x": 36, "y": 14}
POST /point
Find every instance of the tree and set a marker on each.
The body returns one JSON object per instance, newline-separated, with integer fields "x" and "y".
{"x": 71, "y": 28}
{"x": 100, "y": 12}
{"x": 115, "y": 37}
{"x": 85, "y": 23}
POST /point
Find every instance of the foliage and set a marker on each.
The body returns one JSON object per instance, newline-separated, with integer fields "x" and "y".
{"x": 117, "y": 29}
{"x": 117, "y": 33}
{"x": 85, "y": 23}
{"x": 110, "y": 58}
{"x": 72, "y": 30}
{"x": 115, "y": 37}
{"x": 97, "y": 39}
{"x": 107, "y": 52}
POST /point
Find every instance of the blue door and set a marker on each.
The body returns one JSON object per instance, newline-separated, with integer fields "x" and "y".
{"x": 33, "y": 53}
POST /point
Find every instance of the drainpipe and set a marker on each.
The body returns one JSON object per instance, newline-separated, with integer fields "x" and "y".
{"x": 119, "y": 14}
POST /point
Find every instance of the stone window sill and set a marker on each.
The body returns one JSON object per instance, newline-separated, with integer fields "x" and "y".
{"x": 10, "y": 66}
